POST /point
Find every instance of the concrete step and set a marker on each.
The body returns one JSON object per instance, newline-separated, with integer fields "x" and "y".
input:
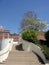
{"x": 20, "y": 63}
{"x": 22, "y": 58}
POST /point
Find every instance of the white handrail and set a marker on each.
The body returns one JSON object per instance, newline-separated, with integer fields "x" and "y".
{"x": 5, "y": 51}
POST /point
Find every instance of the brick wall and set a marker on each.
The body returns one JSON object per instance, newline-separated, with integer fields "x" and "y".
{"x": 4, "y": 35}
{"x": 15, "y": 37}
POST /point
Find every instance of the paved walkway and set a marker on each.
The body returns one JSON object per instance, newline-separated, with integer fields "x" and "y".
{"x": 21, "y": 58}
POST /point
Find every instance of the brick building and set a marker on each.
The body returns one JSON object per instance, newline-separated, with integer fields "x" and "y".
{"x": 6, "y": 34}
{"x": 15, "y": 37}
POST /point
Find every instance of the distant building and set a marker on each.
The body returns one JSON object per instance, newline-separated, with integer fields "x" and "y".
{"x": 6, "y": 34}
{"x": 15, "y": 37}
{"x": 41, "y": 35}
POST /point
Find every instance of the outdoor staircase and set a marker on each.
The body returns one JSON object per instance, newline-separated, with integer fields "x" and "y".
{"x": 21, "y": 58}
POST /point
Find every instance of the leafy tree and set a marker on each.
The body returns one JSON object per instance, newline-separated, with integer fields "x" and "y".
{"x": 30, "y": 35}
{"x": 42, "y": 25}
{"x": 30, "y": 20}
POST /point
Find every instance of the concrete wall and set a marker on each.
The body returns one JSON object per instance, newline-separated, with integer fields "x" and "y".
{"x": 28, "y": 46}
{"x": 5, "y": 48}
{"x": 4, "y": 43}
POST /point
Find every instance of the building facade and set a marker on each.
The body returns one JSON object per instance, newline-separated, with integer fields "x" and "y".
{"x": 6, "y": 34}
{"x": 15, "y": 37}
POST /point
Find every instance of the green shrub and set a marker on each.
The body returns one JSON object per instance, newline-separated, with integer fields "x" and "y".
{"x": 45, "y": 49}
{"x": 30, "y": 35}
{"x": 47, "y": 35}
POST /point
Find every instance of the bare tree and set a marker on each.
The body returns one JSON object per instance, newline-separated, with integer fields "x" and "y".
{"x": 30, "y": 20}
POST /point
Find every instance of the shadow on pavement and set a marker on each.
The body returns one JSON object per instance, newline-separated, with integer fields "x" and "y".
{"x": 19, "y": 47}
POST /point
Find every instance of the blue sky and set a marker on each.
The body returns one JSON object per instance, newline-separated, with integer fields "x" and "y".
{"x": 12, "y": 12}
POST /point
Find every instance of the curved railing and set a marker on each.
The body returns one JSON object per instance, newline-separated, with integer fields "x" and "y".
{"x": 28, "y": 46}
{"x": 5, "y": 48}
